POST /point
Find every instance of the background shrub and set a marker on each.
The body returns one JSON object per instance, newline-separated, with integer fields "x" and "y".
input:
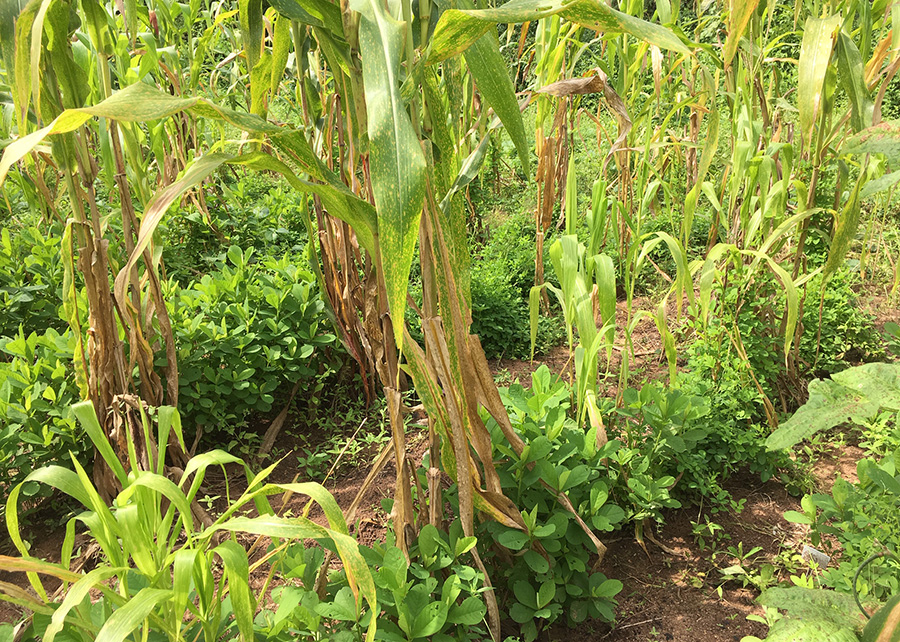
{"x": 31, "y": 274}
{"x": 241, "y": 333}
{"x": 37, "y": 388}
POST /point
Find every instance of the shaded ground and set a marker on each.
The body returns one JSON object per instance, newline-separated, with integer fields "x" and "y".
{"x": 676, "y": 596}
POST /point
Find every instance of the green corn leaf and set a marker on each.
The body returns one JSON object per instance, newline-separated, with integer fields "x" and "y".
{"x": 605, "y": 275}
{"x": 339, "y": 200}
{"x": 127, "y": 618}
{"x": 237, "y": 570}
{"x": 200, "y": 463}
{"x": 358, "y": 572}
{"x": 317, "y": 13}
{"x": 457, "y": 30}
{"x": 880, "y": 184}
{"x": 570, "y": 203}
{"x": 324, "y": 499}
{"x": 682, "y": 285}
{"x": 281, "y": 49}
{"x": 260, "y": 81}
{"x": 844, "y": 230}
{"x": 136, "y": 103}
{"x": 87, "y": 417}
{"x": 294, "y": 11}
{"x": 103, "y": 525}
{"x": 75, "y": 595}
{"x": 396, "y": 161}
{"x": 68, "y": 545}
{"x": 668, "y": 340}
{"x": 203, "y": 45}
{"x": 137, "y": 544}
{"x": 852, "y": 72}
{"x": 791, "y": 294}
{"x": 9, "y": 11}
{"x": 195, "y": 173}
{"x": 167, "y": 420}
{"x": 819, "y": 36}
{"x": 710, "y": 147}
{"x": 64, "y": 480}
{"x": 708, "y": 271}
{"x": 468, "y": 172}
{"x": 740, "y": 13}
{"x": 141, "y": 103}
{"x": 251, "y": 17}
{"x": 164, "y": 487}
{"x": 492, "y": 77}
{"x": 182, "y": 580}
{"x": 534, "y": 303}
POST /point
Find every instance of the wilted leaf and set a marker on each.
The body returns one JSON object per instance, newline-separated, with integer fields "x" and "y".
{"x": 819, "y": 36}
{"x": 456, "y": 29}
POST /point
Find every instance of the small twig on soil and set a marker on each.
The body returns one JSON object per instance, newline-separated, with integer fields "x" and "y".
{"x": 275, "y": 428}
{"x": 666, "y": 549}
{"x": 628, "y": 626}
{"x": 344, "y": 449}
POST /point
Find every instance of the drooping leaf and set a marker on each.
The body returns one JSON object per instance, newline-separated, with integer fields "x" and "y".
{"x": 127, "y": 618}
{"x": 251, "y": 17}
{"x": 739, "y": 17}
{"x": 880, "y": 184}
{"x": 492, "y": 77}
{"x": 358, "y": 572}
{"x": 74, "y": 596}
{"x": 844, "y": 230}
{"x": 457, "y": 29}
{"x": 156, "y": 209}
{"x": 87, "y": 417}
{"x": 852, "y": 72}
{"x": 237, "y": 571}
{"x": 853, "y": 395}
{"x": 136, "y": 103}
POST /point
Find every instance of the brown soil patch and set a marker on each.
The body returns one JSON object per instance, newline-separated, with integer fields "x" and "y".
{"x": 874, "y": 301}
{"x": 675, "y": 596}
{"x": 839, "y": 462}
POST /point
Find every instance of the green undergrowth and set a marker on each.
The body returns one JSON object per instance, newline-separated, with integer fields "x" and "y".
{"x": 245, "y": 333}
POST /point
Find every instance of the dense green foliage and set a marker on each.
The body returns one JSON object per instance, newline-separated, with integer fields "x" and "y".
{"x": 243, "y": 331}
{"x": 30, "y": 279}
{"x": 37, "y": 388}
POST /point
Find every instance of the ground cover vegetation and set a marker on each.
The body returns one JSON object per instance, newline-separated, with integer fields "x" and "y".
{"x": 252, "y": 248}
